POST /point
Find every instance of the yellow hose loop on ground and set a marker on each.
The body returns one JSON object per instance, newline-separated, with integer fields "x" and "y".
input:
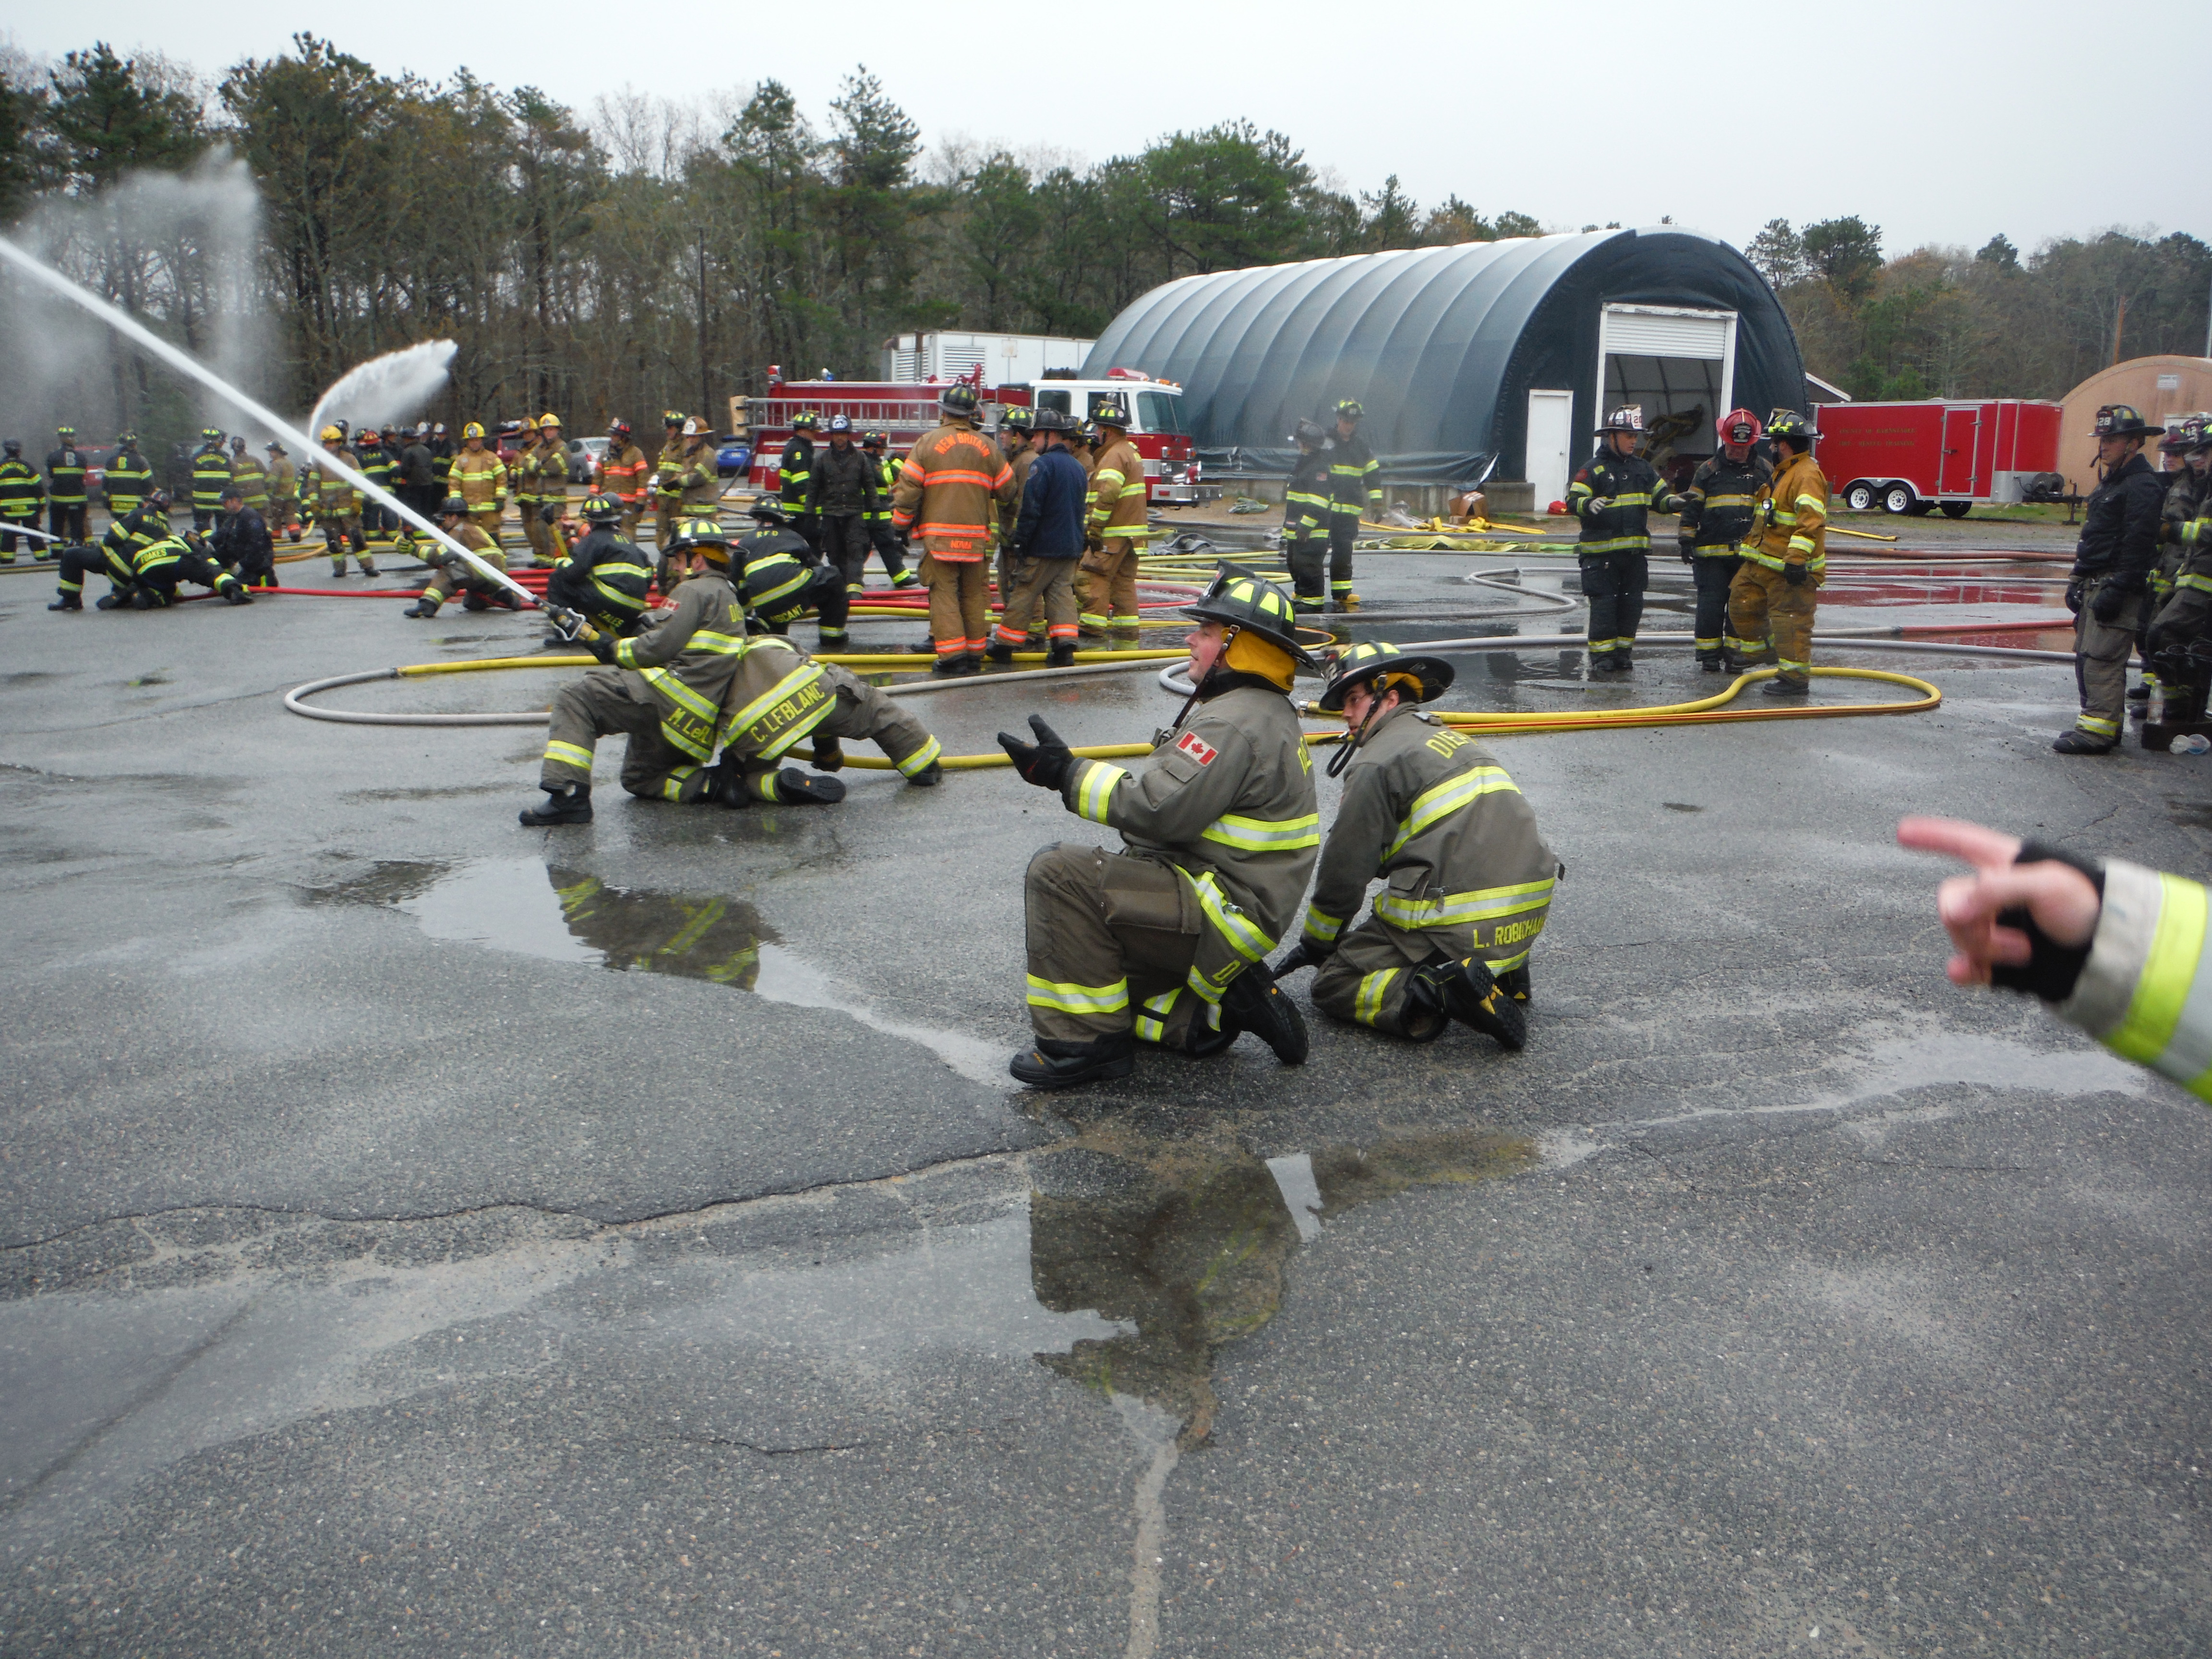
{"x": 916, "y": 664}
{"x": 1705, "y": 711}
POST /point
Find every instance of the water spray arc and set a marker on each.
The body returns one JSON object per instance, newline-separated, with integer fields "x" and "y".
{"x": 184, "y": 363}
{"x": 388, "y": 388}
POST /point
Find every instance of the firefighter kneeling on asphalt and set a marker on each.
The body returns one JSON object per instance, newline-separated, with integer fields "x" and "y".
{"x": 1468, "y": 879}
{"x": 456, "y": 574}
{"x": 696, "y": 683}
{"x": 605, "y": 576}
{"x": 1165, "y": 940}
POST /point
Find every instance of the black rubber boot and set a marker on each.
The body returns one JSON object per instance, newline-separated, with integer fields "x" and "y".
{"x": 67, "y": 602}
{"x": 509, "y": 600}
{"x": 1711, "y": 662}
{"x": 2078, "y": 742}
{"x": 569, "y": 805}
{"x": 929, "y": 777}
{"x": 1466, "y": 991}
{"x": 1778, "y": 687}
{"x": 145, "y": 599}
{"x": 1513, "y": 981}
{"x": 111, "y": 600}
{"x": 425, "y": 607}
{"x": 1060, "y": 654}
{"x": 2139, "y": 694}
{"x": 1057, "y": 1064}
{"x": 796, "y": 788}
{"x": 1254, "y": 1003}
{"x": 472, "y": 600}
{"x": 829, "y": 755}
{"x": 999, "y": 652}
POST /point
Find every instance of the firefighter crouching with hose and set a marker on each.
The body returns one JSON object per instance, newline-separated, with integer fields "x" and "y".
{"x": 696, "y": 682}
{"x": 1468, "y": 878}
{"x": 453, "y": 576}
{"x": 604, "y": 577}
{"x": 1165, "y": 941}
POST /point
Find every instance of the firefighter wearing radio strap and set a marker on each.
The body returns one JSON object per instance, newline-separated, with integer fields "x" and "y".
{"x": 1164, "y": 939}
{"x": 1468, "y": 878}
{"x": 1785, "y": 560}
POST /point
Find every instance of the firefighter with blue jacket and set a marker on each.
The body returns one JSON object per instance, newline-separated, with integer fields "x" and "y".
{"x": 1613, "y": 496}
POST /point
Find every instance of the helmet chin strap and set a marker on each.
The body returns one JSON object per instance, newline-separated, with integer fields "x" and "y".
{"x": 1342, "y": 758}
{"x": 1229, "y": 631}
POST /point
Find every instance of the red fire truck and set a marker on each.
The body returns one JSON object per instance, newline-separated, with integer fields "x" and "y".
{"x": 1914, "y": 456}
{"x": 904, "y": 411}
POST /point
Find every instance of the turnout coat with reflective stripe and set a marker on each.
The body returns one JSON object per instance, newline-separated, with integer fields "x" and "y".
{"x": 945, "y": 488}
{"x": 1721, "y": 504}
{"x": 1792, "y": 525}
{"x": 1226, "y": 798}
{"x": 2146, "y": 991}
{"x": 1429, "y": 811}
{"x": 1631, "y": 488}
{"x": 1117, "y": 492}
{"x": 687, "y": 666}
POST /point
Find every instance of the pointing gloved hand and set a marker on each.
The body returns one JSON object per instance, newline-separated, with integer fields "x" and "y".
{"x": 1045, "y": 763}
{"x": 1794, "y": 575}
{"x": 2114, "y": 594}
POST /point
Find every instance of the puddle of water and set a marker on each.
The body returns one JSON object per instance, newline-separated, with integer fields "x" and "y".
{"x": 387, "y": 881}
{"x": 1187, "y": 1242}
{"x": 568, "y": 915}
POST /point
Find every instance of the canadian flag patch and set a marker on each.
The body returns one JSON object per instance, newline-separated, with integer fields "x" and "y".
{"x": 1197, "y": 748}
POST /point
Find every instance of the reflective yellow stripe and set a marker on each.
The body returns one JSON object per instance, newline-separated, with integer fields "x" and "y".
{"x": 1817, "y": 503}
{"x": 921, "y": 760}
{"x": 1480, "y": 905}
{"x": 1079, "y": 998}
{"x": 679, "y": 693}
{"x": 1323, "y": 929}
{"x": 1243, "y": 934}
{"x": 791, "y": 686}
{"x": 1151, "y": 1025}
{"x": 1095, "y": 794}
{"x": 1443, "y": 799}
{"x": 671, "y": 788}
{"x": 2177, "y": 946}
{"x": 1262, "y": 835}
{"x": 569, "y": 754}
{"x": 716, "y": 645}
{"x": 1367, "y": 1006}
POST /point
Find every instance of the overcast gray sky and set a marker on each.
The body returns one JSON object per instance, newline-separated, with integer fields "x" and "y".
{"x": 1944, "y": 121}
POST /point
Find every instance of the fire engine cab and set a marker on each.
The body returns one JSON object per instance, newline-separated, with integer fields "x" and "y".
{"x": 904, "y": 411}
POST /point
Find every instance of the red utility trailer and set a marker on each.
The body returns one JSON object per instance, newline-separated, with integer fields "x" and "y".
{"x": 1913, "y": 457}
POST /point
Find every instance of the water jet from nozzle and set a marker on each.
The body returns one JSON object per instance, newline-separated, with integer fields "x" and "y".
{"x": 123, "y": 323}
{"x": 387, "y": 389}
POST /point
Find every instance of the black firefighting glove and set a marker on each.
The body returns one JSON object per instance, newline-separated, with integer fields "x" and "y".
{"x": 1794, "y": 575}
{"x": 601, "y": 646}
{"x": 2168, "y": 531}
{"x": 1045, "y": 763}
{"x": 2074, "y": 589}
{"x": 1689, "y": 548}
{"x": 2051, "y": 968}
{"x": 1305, "y": 954}
{"x": 549, "y": 513}
{"x": 2114, "y": 594}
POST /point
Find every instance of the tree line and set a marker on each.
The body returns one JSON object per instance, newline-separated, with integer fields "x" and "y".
{"x": 648, "y": 253}
{"x": 1939, "y": 322}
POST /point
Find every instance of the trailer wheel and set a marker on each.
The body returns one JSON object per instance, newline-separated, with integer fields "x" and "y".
{"x": 1898, "y": 498}
{"x": 1956, "y": 509}
{"x": 1860, "y": 497}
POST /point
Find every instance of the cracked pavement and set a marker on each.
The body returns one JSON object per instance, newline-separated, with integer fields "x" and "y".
{"x": 385, "y": 1273}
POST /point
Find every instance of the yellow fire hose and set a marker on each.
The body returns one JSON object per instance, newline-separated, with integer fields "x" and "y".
{"x": 1703, "y": 711}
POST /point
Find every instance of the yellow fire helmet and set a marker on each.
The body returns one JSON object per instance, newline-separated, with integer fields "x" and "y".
{"x": 330, "y": 435}
{"x": 545, "y": 421}
{"x": 526, "y": 425}
{"x": 473, "y": 430}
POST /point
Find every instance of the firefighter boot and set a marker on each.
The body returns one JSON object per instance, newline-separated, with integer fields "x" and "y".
{"x": 999, "y": 652}
{"x": 929, "y": 777}
{"x": 1060, "y": 654}
{"x": 793, "y": 788}
{"x": 829, "y": 753}
{"x": 1054, "y": 1063}
{"x": 1513, "y": 981}
{"x": 1254, "y": 1003}
{"x": 67, "y": 601}
{"x": 425, "y": 606}
{"x": 570, "y": 806}
{"x": 1782, "y": 687}
{"x": 1466, "y": 991}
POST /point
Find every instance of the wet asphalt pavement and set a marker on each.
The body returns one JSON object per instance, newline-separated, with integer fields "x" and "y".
{"x": 425, "y": 1235}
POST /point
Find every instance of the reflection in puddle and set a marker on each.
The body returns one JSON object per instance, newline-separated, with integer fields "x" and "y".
{"x": 1188, "y": 1241}
{"x": 569, "y": 915}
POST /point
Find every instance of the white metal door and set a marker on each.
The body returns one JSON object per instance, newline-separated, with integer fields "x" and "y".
{"x": 1668, "y": 331}
{"x": 1550, "y": 442}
